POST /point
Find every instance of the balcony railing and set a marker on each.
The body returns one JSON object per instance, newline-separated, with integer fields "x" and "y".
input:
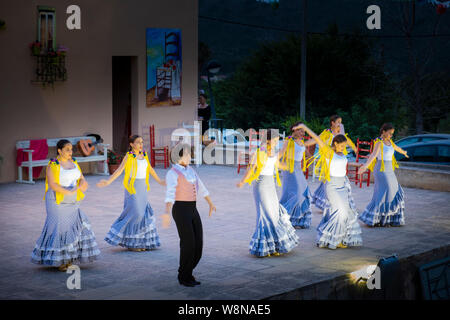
{"x": 50, "y": 69}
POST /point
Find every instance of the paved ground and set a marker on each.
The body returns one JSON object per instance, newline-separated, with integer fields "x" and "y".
{"x": 227, "y": 270}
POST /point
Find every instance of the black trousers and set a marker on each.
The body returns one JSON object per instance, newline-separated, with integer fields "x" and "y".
{"x": 190, "y": 231}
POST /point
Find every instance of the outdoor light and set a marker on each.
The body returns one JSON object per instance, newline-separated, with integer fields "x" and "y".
{"x": 213, "y": 67}
{"x": 382, "y": 275}
{"x": 363, "y": 274}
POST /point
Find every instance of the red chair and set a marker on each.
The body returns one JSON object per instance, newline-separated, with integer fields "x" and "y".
{"x": 158, "y": 154}
{"x": 353, "y": 167}
{"x": 244, "y": 156}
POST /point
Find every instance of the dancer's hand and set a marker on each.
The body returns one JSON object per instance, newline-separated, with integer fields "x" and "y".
{"x": 165, "y": 220}
{"x": 361, "y": 170}
{"x": 406, "y": 154}
{"x": 240, "y": 184}
{"x": 103, "y": 183}
{"x": 162, "y": 182}
{"x": 300, "y": 126}
{"x": 83, "y": 185}
{"x": 212, "y": 208}
{"x": 73, "y": 191}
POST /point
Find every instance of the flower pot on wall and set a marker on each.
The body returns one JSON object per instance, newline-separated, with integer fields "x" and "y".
{"x": 113, "y": 167}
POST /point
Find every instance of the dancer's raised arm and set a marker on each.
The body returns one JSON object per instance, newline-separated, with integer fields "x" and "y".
{"x": 115, "y": 175}
{"x": 399, "y": 150}
{"x": 312, "y": 134}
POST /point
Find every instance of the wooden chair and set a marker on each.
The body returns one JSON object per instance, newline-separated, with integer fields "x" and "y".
{"x": 244, "y": 156}
{"x": 158, "y": 154}
{"x": 353, "y": 167}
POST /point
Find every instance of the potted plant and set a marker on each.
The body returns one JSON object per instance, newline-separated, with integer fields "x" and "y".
{"x": 114, "y": 160}
{"x": 62, "y": 50}
{"x": 35, "y": 48}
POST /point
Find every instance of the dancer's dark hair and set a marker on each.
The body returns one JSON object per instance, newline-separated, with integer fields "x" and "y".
{"x": 386, "y": 127}
{"x": 132, "y": 139}
{"x": 61, "y": 144}
{"x": 295, "y": 124}
{"x": 338, "y": 139}
{"x": 334, "y": 117}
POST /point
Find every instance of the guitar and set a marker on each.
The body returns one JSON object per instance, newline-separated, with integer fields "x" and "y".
{"x": 86, "y": 147}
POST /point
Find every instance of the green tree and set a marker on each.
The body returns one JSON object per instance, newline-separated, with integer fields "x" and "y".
{"x": 265, "y": 88}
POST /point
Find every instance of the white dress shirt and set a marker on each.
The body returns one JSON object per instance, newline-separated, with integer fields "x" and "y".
{"x": 189, "y": 174}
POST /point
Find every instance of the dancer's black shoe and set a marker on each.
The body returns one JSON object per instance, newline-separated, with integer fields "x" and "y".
{"x": 195, "y": 281}
{"x": 186, "y": 283}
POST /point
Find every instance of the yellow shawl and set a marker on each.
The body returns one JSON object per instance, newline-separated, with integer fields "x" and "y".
{"x": 289, "y": 155}
{"x": 55, "y": 167}
{"x": 327, "y": 137}
{"x": 131, "y": 171}
{"x": 261, "y": 158}
{"x": 322, "y": 167}
{"x": 394, "y": 162}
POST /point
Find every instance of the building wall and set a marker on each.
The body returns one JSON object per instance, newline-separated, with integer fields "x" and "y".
{"x": 83, "y": 103}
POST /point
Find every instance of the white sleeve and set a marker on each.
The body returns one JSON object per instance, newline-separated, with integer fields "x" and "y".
{"x": 171, "y": 185}
{"x": 202, "y": 189}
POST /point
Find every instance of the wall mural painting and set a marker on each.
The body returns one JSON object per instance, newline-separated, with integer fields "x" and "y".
{"x": 163, "y": 67}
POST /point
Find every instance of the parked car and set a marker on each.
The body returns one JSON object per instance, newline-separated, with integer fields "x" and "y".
{"x": 422, "y": 138}
{"x": 237, "y": 139}
{"x": 437, "y": 152}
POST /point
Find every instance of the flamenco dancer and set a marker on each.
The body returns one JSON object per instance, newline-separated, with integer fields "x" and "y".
{"x": 67, "y": 237}
{"x": 339, "y": 226}
{"x": 274, "y": 232}
{"x": 135, "y": 228}
{"x": 183, "y": 185}
{"x": 319, "y": 197}
{"x": 296, "y": 196}
{"x": 387, "y": 205}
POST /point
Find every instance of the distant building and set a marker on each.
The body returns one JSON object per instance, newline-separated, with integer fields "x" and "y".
{"x": 101, "y": 82}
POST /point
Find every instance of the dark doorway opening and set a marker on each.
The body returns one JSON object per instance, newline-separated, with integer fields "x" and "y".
{"x": 121, "y": 76}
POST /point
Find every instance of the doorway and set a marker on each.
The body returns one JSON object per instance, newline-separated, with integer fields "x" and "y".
{"x": 121, "y": 85}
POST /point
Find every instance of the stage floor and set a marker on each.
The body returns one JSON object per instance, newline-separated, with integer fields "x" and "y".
{"x": 226, "y": 270}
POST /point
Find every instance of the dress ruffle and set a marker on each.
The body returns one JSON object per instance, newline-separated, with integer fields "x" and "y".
{"x": 319, "y": 198}
{"x": 269, "y": 239}
{"x": 76, "y": 245}
{"x": 135, "y": 228}
{"x": 129, "y": 234}
{"x": 296, "y": 197}
{"x": 300, "y": 214}
{"x": 385, "y": 213}
{"x": 338, "y": 227}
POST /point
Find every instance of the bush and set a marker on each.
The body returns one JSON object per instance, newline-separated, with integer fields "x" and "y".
{"x": 315, "y": 124}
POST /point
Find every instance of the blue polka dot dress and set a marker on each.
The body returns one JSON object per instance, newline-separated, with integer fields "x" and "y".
{"x": 67, "y": 236}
